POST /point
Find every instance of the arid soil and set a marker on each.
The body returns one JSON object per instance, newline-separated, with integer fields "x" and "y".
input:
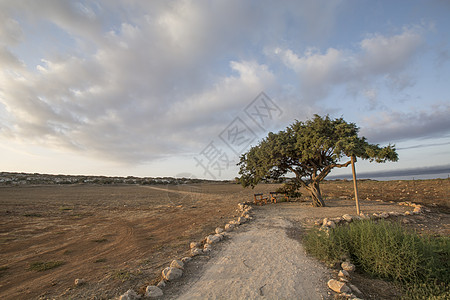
{"x": 120, "y": 237}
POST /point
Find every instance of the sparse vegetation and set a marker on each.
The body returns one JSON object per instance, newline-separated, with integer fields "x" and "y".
{"x": 388, "y": 251}
{"x": 41, "y": 266}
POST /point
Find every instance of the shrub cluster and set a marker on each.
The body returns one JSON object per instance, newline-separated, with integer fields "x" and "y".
{"x": 387, "y": 250}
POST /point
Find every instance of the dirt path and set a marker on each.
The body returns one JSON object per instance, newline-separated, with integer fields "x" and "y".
{"x": 265, "y": 260}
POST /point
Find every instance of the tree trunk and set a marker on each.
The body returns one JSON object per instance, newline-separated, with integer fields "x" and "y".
{"x": 316, "y": 195}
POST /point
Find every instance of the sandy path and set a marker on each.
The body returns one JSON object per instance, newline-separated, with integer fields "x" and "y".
{"x": 261, "y": 262}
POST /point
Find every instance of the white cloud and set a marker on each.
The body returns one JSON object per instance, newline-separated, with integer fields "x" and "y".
{"x": 395, "y": 126}
{"x": 385, "y": 58}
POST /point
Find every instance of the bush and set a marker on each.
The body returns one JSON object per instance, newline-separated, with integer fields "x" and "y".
{"x": 388, "y": 251}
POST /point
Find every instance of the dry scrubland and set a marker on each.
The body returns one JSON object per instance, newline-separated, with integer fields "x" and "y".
{"x": 121, "y": 236}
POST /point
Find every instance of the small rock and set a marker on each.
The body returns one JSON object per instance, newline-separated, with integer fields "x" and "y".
{"x": 331, "y": 224}
{"x": 171, "y": 273}
{"x": 177, "y": 264}
{"x": 325, "y": 221}
{"x": 218, "y": 230}
{"x": 207, "y": 250}
{"x": 207, "y": 246}
{"x": 348, "y": 266}
{"x": 161, "y": 284}
{"x": 343, "y": 279}
{"x": 241, "y": 220}
{"x": 211, "y": 239}
{"x": 354, "y": 289}
{"x": 338, "y": 286}
{"x": 229, "y": 227}
{"x": 186, "y": 259}
{"x": 347, "y": 218}
{"x": 130, "y": 295}
{"x": 79, "y": 281}
{"x": 384, "y": 215}
{"x": 318, "y": 222}
{"x": 194, "y": 245}
{"x": 407, "y": 213}
{"x": 196, "y": 251}
{"x": 343, "y": 273}
{"x": 405, "y": 221}
{"x": 153, "y": 291}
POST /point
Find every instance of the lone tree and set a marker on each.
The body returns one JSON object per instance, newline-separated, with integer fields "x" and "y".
{"x": 310, "y": 150}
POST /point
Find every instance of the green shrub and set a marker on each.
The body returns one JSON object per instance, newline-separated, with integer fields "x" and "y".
{"x": 388, "y": 251}
{"x": 44, "y": 266}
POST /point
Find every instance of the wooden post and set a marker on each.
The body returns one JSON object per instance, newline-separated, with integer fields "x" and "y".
{"x": 353, "y": 158}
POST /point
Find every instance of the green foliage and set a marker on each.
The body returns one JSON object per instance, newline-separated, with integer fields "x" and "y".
{"x": 388, "y": 251}
{"x": 44, "y": 266}
{"x": 310, "y": 150}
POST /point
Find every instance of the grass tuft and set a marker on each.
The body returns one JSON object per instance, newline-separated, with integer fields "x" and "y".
{"x": 388, "y": 251}
{"x": 44, "y": 266}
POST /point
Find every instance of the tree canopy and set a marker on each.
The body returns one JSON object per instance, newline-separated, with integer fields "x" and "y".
{"x": 310, "y": 150}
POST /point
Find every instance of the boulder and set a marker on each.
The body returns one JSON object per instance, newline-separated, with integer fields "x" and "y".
{"x": 218, "y": 230}
{"x": 338, "y": 286}
{"x": 130, "y": 295}
{"x": 177, "y": 264}
{"x": 348, "y": 266}
{"x": 153, "y": 291}
{"x": 171, "y": 273}
{"x": 347, "y": 217}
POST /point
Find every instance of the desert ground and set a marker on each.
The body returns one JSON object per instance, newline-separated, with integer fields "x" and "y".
{"x": 118, "y": 237}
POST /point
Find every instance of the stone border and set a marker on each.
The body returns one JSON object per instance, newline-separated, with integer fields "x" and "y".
{"x": 175, "y": 270}
{"x": 343, "y": 286}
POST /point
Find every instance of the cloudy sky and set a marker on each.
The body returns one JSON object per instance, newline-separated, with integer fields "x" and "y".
{"x": 170, "y": 88}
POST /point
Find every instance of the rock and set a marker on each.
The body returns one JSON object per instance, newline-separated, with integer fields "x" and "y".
{"x": 186, "y": 259}
{"x": 171, "y": 273}
{"x": 229, "y": 227}
{"x": 331, "y": 224}
{"x": 194, "y": 245}
{"x": 207, "y": 246}
{"x": 207, "y": 250}
{"x": 161, "y": 284}
{"x": 129, "y": 295}
{"x": 219, "y": 236}
{"x": 177, "y": 264}
{"x": 337, "y": 220}
{"x": 343, "y": 273}
{"x": 241, "y": 206}
{"x": 384, "y": 215}
{"x": 242, "y": 220}
{"x": 407, "y": 213}
{"x": 153, "y": 291}
{"x": 405, "y": 221}
{"x": 235, "y": 222}
{"x": 218, "y": 230}
{"x": 354, "y": 289}
{"x": 324, "y": 222}
{"x": 196, "y": 251}
{"x": 338, "y": 286}
{"x": 347, "y": 218}
{"x": 343, "y": 279}
{"x": 364, "y": 216}
{"x": 318, "y": 222}
{"x": 348, "y": 266}
{"x": 79, "y": 281}
{"x": 418, "y": 210}
{"x": 211, "y": 239}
